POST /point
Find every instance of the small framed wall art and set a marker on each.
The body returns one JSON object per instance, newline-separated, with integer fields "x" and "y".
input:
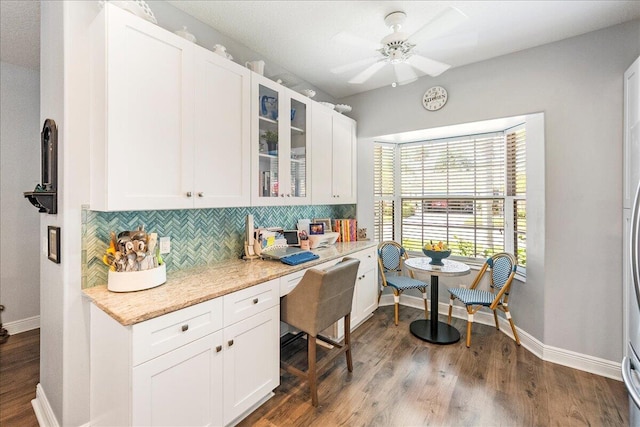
{"x": 53, "y": 238}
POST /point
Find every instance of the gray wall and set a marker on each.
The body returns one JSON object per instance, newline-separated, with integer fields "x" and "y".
{"x": 575, "y": 302}
{"x": 20, "y": 171}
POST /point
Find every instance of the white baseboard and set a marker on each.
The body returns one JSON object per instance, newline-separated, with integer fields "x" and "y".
{"x": 42, "y": 408}
{"x": 23, "y": 325}
{"x": 571, "y": 359}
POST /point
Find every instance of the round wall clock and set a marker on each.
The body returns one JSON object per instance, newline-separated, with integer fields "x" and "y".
{"x": 434, "y": 98}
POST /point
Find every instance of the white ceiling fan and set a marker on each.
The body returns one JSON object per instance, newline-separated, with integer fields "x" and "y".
{"x": 398, "y": 49}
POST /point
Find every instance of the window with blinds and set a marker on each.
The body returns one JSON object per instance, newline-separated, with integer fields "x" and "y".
{"x": 383, "y": 191}
{"x": 468, "y": 191}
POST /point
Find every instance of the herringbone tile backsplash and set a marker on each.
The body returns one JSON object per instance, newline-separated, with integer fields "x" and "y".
{"x": 198, "y": 236}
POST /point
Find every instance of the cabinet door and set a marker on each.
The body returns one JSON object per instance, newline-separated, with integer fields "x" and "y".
{"x": 149, "y": 113}
{"x": 367, "y": 292}
{"x": 631, "y": 147}
{"x": 269, "y": 142}
{"x": 251, "y": 362}
{"x": 344, "y": 159}
{"x": 322, "y": 156}
{"x": 182, "y": 387}
{"x": 299, "y": 191}
{"x": 222, "y": 132}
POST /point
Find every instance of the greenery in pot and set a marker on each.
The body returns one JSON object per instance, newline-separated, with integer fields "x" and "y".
{"x": 271, "y": 138}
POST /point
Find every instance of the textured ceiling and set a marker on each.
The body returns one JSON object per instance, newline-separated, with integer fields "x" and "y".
{"x": 298, "y": 35}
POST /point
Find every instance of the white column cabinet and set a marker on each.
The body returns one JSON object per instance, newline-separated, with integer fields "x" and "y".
{"x": 169, "y": 120}
{"x": 333, "y": 157}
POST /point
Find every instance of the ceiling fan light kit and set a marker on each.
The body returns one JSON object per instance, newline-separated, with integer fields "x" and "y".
{"x": 398, "y": 50}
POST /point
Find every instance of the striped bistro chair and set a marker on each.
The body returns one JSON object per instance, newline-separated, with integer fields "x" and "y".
{"x": 502, "y": 269}
{"x": 391, "y": 257}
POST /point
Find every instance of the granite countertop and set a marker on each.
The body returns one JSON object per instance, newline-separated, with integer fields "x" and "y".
{"x": 188, "y": 287}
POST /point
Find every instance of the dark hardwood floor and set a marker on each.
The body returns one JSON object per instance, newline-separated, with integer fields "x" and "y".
{"x": 19, "y": 375}
{"x": 398, "y": 380}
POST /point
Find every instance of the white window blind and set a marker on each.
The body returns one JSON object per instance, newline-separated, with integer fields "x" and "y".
{"x": 453, "y": 190}
{"x": 517, "y": 190}
{"x": 383, "y": 190}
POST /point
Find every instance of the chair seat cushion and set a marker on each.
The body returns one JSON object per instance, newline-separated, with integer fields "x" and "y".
{"x": 404, "y": 282}
{"x": 473, "y": 296}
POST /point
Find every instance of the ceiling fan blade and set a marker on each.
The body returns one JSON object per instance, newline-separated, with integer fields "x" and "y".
{"x": 446, "y": 20}
{"x": 368, "y": 72}
{"x": 454, "y": 41}
{"x": 404, "y": 73}
{"x": 357, "y": 64}
{"x": 356, "y": 41}
{"x": 428, "y": 66}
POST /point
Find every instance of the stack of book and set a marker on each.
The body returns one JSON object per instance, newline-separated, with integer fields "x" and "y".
{"x": 348, "y": 229}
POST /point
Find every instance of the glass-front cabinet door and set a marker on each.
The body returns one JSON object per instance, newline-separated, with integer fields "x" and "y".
{"x": 280, "y": 144}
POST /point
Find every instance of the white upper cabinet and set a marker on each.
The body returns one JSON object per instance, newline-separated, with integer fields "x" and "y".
{"x": 169, "y": 120}
{"x": 280, "y": 144}
{"x": 333, "y": 166}
{"x": 222, "y": 132}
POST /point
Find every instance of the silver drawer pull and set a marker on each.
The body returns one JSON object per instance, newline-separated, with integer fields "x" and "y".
{"x": 255, "y": 300}
{"x": 218, "y": 348}
{"x": 185, "y": 327}
{"x": 230, "y": 342}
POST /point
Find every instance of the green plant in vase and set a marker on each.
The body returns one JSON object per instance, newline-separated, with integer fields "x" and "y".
{"x": 271, "y": 138}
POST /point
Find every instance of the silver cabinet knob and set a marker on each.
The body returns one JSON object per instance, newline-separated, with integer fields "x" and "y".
{"x": 255, "y": 300}
{"x": 230, "y": 343}
{"x": 185, "y": 328}
{"x": 189, "y": 194}
{"x": 218, "y": 348}
{"x": 200, "y": 194}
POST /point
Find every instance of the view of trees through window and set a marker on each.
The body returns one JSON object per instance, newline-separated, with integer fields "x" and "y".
{"x": 468, "y": 191}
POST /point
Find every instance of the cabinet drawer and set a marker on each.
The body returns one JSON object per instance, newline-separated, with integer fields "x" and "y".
{"x": 170, "y": 331}
{"x": 289, "y": 282}
{"x": 247, "y": 302}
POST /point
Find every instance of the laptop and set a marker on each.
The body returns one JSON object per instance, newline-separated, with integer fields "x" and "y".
{"x": 293, "y": 246}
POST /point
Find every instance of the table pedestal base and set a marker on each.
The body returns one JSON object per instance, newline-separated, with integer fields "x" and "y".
{"x": 445, "y": 334}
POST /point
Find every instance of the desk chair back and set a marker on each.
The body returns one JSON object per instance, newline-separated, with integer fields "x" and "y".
{"x": 321, "y": 298}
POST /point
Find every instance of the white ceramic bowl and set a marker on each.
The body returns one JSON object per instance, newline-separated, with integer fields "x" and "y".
{"x": 308, "y": 92}
{"x": 327, "y": 104}
{"x": 343, "y": 108}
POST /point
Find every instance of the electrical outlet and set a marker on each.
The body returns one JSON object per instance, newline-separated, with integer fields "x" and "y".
{"x": 165, "y": 245}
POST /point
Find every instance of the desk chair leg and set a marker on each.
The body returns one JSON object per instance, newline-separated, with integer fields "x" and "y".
{"x": 424, "y": 297}
{"x": 347, "y": 341}
{"x": 311, "y": 371}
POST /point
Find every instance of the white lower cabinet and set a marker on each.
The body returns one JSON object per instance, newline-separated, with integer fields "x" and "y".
{"x": 180, "y": 388}
{"x": 188, "y": 367}
{"x": 251, "y": 362}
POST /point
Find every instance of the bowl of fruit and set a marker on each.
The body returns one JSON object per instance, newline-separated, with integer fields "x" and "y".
{"x": 436, "y": 251}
